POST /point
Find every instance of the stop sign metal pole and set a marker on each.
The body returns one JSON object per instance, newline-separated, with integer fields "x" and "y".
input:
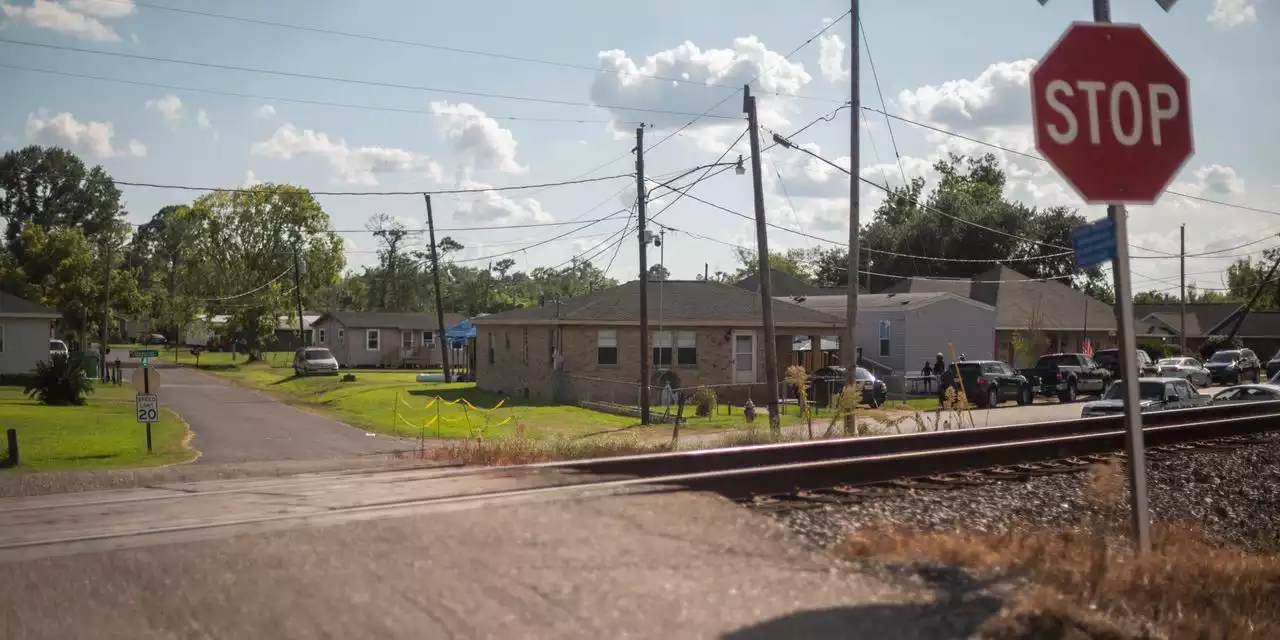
{"x": 1128, "y": 357}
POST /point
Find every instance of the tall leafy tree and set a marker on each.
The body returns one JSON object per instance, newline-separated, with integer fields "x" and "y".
{"x": 247, "y": 255}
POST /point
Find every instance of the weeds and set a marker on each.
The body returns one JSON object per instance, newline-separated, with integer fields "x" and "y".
{"x": 1087, "y": 582}
{"x": 520, "y": 450}
{"x": 950, "y": 414}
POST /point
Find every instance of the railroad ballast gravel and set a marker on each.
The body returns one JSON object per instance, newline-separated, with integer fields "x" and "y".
{"x": 1233, "y": 494}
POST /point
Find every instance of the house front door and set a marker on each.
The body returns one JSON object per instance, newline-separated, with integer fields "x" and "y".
{"x": 744, "y": 356}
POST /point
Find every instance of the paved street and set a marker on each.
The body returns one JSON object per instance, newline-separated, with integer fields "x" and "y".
{"x": 235, "y": 424}
{"x": 640, "y": 565}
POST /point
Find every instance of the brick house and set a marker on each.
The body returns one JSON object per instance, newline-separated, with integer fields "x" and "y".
{"x": 585, "y": 349}
{"x": 1259, "y": 331}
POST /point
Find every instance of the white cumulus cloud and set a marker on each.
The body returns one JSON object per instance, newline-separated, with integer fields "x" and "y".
{"x": 625, "y": 82}
{"x": 266, "y": 111}
{"x": 250, "y": 179}
{"x": 76, "y": 18}
{"x": 495, "y": 208}
{"x": 476, "y": 136}
{"x": 831, "y": 58}
{"x": 1233, "y": 13}
{"x": 169, "y": 107}
{"x": 94, "y": 137}
{"x": 356, "y": 165}
{"x": 999, "y": 96}
{"x": 202, "y": 119}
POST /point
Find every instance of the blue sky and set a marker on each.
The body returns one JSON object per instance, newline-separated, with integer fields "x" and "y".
{"x": 961, "y": 66}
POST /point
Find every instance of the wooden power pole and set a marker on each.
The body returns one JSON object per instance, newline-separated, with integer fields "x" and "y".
{"x": 435, "y": 277}
{"x": 762, "y": 249}
{"x": 644, "y": 278}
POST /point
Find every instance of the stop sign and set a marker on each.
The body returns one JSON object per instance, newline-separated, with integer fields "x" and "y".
{"x": 1112, "y": 113}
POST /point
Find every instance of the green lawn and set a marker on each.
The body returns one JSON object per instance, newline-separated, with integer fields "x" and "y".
{"x": 101, "y": 434}
{"x": 394, "y": 402}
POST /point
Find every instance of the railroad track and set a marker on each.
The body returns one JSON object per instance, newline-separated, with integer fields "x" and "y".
{"x": 832, "y": 469}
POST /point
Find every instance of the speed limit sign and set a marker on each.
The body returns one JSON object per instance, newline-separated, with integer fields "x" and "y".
{"x": 148, "y": 407}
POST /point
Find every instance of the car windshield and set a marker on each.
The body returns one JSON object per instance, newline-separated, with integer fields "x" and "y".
{"x": 318, "y": 354}
{"x": 1225, "y": 356}
{"x": 1057, "y": 361}
{"x": 56, "y": 345}
{"x": 1170, "y": 362}
{"x": 967, "y": 369}
{"x": 862, "y": 374}
{"x": 1146, "y": 390}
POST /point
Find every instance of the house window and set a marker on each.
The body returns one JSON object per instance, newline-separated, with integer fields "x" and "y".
{"x": 607, "y": 346}
{"x": 662, "y": 348}
{"x": 342, "y": 334}
{"x": 372, "y": 339}
{"x": 490, "y": 347}
{"x": 406, "y": 339}
{"x": 884, "y": 338}
{"x": 687, "y": 347}
{"x": 428, "y": 339}
{"x": 320, "y": 334}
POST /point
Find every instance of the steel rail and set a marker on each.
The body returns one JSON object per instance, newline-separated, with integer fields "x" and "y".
{"x": 740, "y": 483}
{"x": 817, "y": 450}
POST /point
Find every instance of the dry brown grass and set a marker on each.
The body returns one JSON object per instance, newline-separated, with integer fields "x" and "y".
{"x": 1088, "y": 583}
{"x": 521, "y": 450}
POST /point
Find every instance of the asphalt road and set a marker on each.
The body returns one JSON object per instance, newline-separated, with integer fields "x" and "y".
{"x": 650, "y": 564}
{"x": 235, "y": 424}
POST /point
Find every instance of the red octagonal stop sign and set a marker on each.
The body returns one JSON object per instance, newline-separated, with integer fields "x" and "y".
{"x": 1112, "y": 113}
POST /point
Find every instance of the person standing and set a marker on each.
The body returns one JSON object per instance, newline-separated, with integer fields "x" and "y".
{"x": 927, "y": 374}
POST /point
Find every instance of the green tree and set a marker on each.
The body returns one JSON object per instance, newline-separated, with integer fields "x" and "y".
{"x": 658, "y": 273}
{"x": 792, "y": 262}
{"x": 1244, "y": 277}
{"x": 955, "y": 221}
{"x": 247, "y": 252}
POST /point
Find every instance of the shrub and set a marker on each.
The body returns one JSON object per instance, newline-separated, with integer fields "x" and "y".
{"x": 1158, "y": 350}
{"x": 60, "y": 381}
{"x": 1216, "y": 343}
{"x": 348, "y": 377}
{"x": 704, "y": 401}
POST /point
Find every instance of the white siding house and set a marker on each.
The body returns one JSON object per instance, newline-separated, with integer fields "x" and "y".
{"x": 900, "y": 331}
{"x": 24, "y": 333}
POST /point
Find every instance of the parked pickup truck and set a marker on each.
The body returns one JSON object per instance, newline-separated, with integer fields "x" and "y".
{"x": 1066, "y": 375}
{"x": 1109, "y": 359}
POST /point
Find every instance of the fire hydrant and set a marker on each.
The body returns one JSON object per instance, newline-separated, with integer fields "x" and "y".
{"x": 749, "y": 410}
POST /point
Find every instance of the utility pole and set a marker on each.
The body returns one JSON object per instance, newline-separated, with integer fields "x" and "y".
{"x": 1182, "y": 276}
{"x": 435, "y": 277}
{"x": 106, "y": 317}
{"x": 848, "y": 348}
{"x": 762, "y": 250}
{"x": 644, "y": 278}
{"x": 297, "y": 294}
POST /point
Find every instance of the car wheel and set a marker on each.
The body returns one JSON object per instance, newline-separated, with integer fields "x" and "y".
{"x": 993, "y": 398}
{"x": 873, "y": 401}
{"x": 1024, "y": 396}
{"x": 1068, "y": 395}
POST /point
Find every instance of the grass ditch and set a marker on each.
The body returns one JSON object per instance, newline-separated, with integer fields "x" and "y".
{"x": 1088, "y": 582}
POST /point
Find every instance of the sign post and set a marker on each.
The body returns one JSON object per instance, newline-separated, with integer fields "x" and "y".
{"x": 146, "y": 402}
{"x": 1112, "y": 113}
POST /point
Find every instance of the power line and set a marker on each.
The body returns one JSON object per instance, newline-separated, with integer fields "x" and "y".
{"x": 543, "y": 185}
{"x": 425, "y": 45}
{"x": 274, "y": 98}
{"x": 876, "y": 76}
{"x": 355, "y": 81}
{"x": 251, "y": 291}
{"x": 706, "y": 114}
{"x": 1039, "y": 159}
{"x": 542, "y": 242}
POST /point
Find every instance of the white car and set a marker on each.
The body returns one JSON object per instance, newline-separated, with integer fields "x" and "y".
{"x": 1188, "y": 369}
{"x": 309, "y": 360}
{"x": 57, "y": 347}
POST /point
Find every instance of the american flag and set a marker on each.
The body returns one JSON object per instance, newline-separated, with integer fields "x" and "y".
{"x": 1087, "y": 347}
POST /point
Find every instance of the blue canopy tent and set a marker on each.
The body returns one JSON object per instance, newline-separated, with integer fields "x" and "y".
{"x": 458, "y": 334}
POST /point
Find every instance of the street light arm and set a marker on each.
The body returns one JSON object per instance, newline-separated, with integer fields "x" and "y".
{"x": 737, "y": 163}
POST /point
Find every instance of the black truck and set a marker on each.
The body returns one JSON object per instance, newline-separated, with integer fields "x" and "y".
{"x": 1067, "y": 375}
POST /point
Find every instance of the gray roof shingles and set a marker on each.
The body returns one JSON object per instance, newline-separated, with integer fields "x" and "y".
{"x": 416, "y": 320}
{"x": 13, "y": 305}
{"x": 678, "y": 301}
{"x": 1017, "y": 297}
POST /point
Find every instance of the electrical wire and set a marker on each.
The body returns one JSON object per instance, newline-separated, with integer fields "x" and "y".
{"x": 354, "y": 81}
{"x": 251, "y": 291}
{"x": 875, "y": 76}
{"x": 424, "y": 45}
{"x": 542, "y": 242}
{"x": 434, "y": 192}
{"x": 275, "y": 98}
{"x": 1039, "y": 159}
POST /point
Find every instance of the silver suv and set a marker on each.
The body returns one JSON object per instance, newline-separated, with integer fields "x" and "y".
{"x": 311, "y": 360}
